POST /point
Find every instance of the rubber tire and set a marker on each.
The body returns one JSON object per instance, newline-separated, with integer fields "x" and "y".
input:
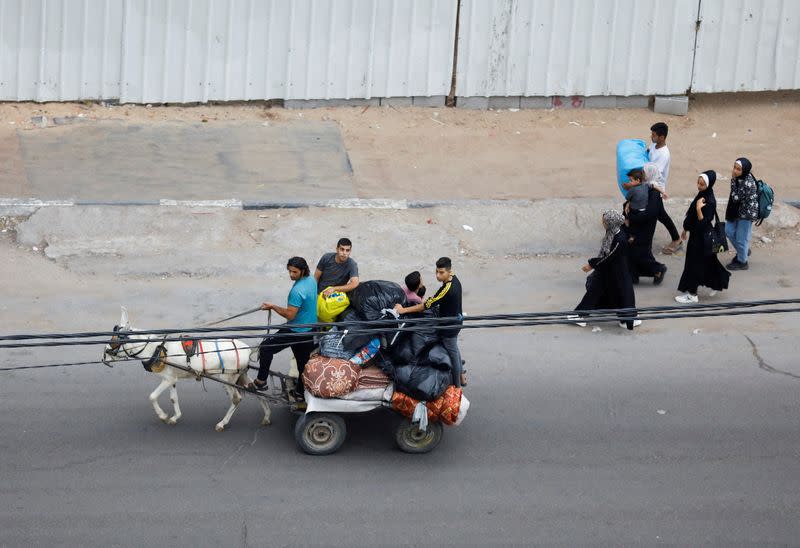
{"x": 410, "y": 440}
{"x": 330, "y": 428}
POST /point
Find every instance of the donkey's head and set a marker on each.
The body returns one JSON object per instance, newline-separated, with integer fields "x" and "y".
{"x": 125, "y": 345}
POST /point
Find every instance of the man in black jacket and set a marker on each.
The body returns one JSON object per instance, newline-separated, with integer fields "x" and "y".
{"x": 447, "y": 301}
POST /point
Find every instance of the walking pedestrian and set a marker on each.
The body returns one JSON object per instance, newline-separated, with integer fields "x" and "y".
{"x": 609, "y": 284}
{"x": 701, "y": 266}
{"x": 659, "y": 154}
{"x": 741, "y": 212}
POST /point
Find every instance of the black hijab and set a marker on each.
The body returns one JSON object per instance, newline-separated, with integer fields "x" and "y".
{"x": 708, "y": 193}
{"x": 746, "y": 167}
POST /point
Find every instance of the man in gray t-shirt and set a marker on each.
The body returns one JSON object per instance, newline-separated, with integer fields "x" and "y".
{"x": 337, "y": 271}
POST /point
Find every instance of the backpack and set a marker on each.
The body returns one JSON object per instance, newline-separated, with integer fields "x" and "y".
{"x": 765, "y": 196}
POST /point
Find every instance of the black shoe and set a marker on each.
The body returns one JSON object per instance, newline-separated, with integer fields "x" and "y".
{"x": 749, "y": 252}
{"x": 635, "y": 280}
{"x": 660, "y": 277}
{"x": 736, "y": 265}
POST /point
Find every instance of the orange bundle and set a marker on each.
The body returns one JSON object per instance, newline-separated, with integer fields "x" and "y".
{"x": 445, "y": 408}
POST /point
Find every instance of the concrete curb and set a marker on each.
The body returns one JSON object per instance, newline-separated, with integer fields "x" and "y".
{"x": 28, "y": 205}
{"x": 25, "y": 206}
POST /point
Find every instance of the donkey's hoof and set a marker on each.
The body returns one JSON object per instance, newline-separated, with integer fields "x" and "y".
{"x": 163, "y": 418}
{"x": 172, "y": 420}
{"x": 219, "y": 427}
{"x": 266, "y": 422}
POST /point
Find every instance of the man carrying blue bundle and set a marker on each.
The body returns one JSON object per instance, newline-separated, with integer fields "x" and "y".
{"x": 658, "y": 153}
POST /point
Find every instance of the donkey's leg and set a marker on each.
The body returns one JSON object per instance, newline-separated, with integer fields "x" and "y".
{"x": 244, "y": 380}
{"x": 154, "y": 399}
{"x": 236, "y": 399}
{"x": 173, "y": 396}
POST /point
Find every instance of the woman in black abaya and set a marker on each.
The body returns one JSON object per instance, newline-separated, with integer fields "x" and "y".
{"x": 701, "y": 267}
{"x": 609, "y": 285}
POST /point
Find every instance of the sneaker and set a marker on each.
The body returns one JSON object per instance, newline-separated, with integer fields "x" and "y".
{"x": 687, "y": 298}
{"x": 577, "y": 320}
{"x": 660, "y": 276}
{"x": 636, "y": 323}
{"x": 736, "y": 265}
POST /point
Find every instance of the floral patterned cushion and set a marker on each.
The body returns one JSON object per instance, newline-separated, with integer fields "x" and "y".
{"x": 330, "y": 377}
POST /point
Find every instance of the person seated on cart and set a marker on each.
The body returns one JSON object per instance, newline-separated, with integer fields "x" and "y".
{"x": 301, "y": 308}
{"x": 337, "y": 272}
{"x": 448, "y": 302}
{"x": 414, "y": 288}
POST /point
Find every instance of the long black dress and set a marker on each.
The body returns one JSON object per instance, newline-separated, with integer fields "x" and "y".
{"x": 701, "y": 268}
{"x": 642, "y": 228}
{"x": 610, "y": 285}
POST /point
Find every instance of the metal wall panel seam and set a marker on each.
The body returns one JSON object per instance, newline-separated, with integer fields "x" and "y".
{"x": 165, "y": 72}
{"x": 392, "y": 21}
{"x": 548, "y": 71}
{"x": 590, "y": 49}
{"x": 429, "y": 49}
{"x": 510, "y": 42}
{"x": 796, "y": 71}
{"x": 61, "y": 49}
{"x": 186, "y": 26}
{"x": 145, "y": 96}
{"x": 755, "y": 64}
{"x": 209, "y": 42}
{"x": 104, "y": 53}
{"x": 612, "y": 53}
{"x": 229, "y": 36}
{"x": 411, "y": 49}
{"x": 247, "y": 52}
{"x": 2, "y": 41}
{"x": 331, "y": 53}
{"x": 84, "y": 47}
{"x": 42, "y": 48}
{"x": 371, "y": 51}
{"x": 776, "y": 52}
{"x": 123, "y": 84}
{"x": 288, "y": 93}
{"x": 268, "y": 54}
{"x": 19, "y": 50}
{"x": 349, "y": 59}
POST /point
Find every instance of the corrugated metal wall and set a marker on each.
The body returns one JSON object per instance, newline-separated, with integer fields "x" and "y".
{"x": 575, "y": 47}
{"x": 201, "y": 50}
{"x": 748, "y": 45}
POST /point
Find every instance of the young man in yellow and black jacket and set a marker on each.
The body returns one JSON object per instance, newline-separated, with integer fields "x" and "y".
{"x": 447, "y": 302}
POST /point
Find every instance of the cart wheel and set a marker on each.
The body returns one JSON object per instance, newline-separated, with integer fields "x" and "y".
{"x": 411, "y": 439}
{"x": 320, "y": 433}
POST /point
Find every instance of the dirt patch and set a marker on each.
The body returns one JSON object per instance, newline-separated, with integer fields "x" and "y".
{"x": 445, "y": 153}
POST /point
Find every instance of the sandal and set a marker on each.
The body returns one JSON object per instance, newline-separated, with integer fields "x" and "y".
{"x": 671, "y": 248}
{"x": 257, "y": 386}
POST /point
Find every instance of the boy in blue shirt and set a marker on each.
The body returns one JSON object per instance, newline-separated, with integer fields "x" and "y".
{"x": 301, "y": 308}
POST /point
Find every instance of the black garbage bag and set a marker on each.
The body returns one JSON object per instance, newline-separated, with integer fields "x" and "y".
{"x": 421, "y": 382}
{"x": 356, "y": 338}
{"x": 370, "y": 297}
{"x": 436, "y": 357}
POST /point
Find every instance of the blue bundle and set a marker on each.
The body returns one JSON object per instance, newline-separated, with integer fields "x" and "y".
{"x": 631, "y": 154}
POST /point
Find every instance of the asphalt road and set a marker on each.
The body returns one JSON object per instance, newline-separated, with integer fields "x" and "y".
{"x": 572, "y": 438}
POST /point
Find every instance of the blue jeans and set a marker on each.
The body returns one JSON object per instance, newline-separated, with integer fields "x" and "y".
{"x": 739, "y": 232}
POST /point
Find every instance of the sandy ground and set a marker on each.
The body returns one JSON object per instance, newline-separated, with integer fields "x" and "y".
{"x": 446, "y": 153}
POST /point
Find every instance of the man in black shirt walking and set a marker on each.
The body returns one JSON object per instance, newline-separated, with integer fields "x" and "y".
{"x": 448, "y": 302}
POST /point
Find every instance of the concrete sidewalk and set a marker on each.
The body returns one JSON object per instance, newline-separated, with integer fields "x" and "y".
{"x": 107, "y": 161}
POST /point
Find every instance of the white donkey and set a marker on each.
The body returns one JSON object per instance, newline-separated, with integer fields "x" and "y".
{"x": 226, "y": 359}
